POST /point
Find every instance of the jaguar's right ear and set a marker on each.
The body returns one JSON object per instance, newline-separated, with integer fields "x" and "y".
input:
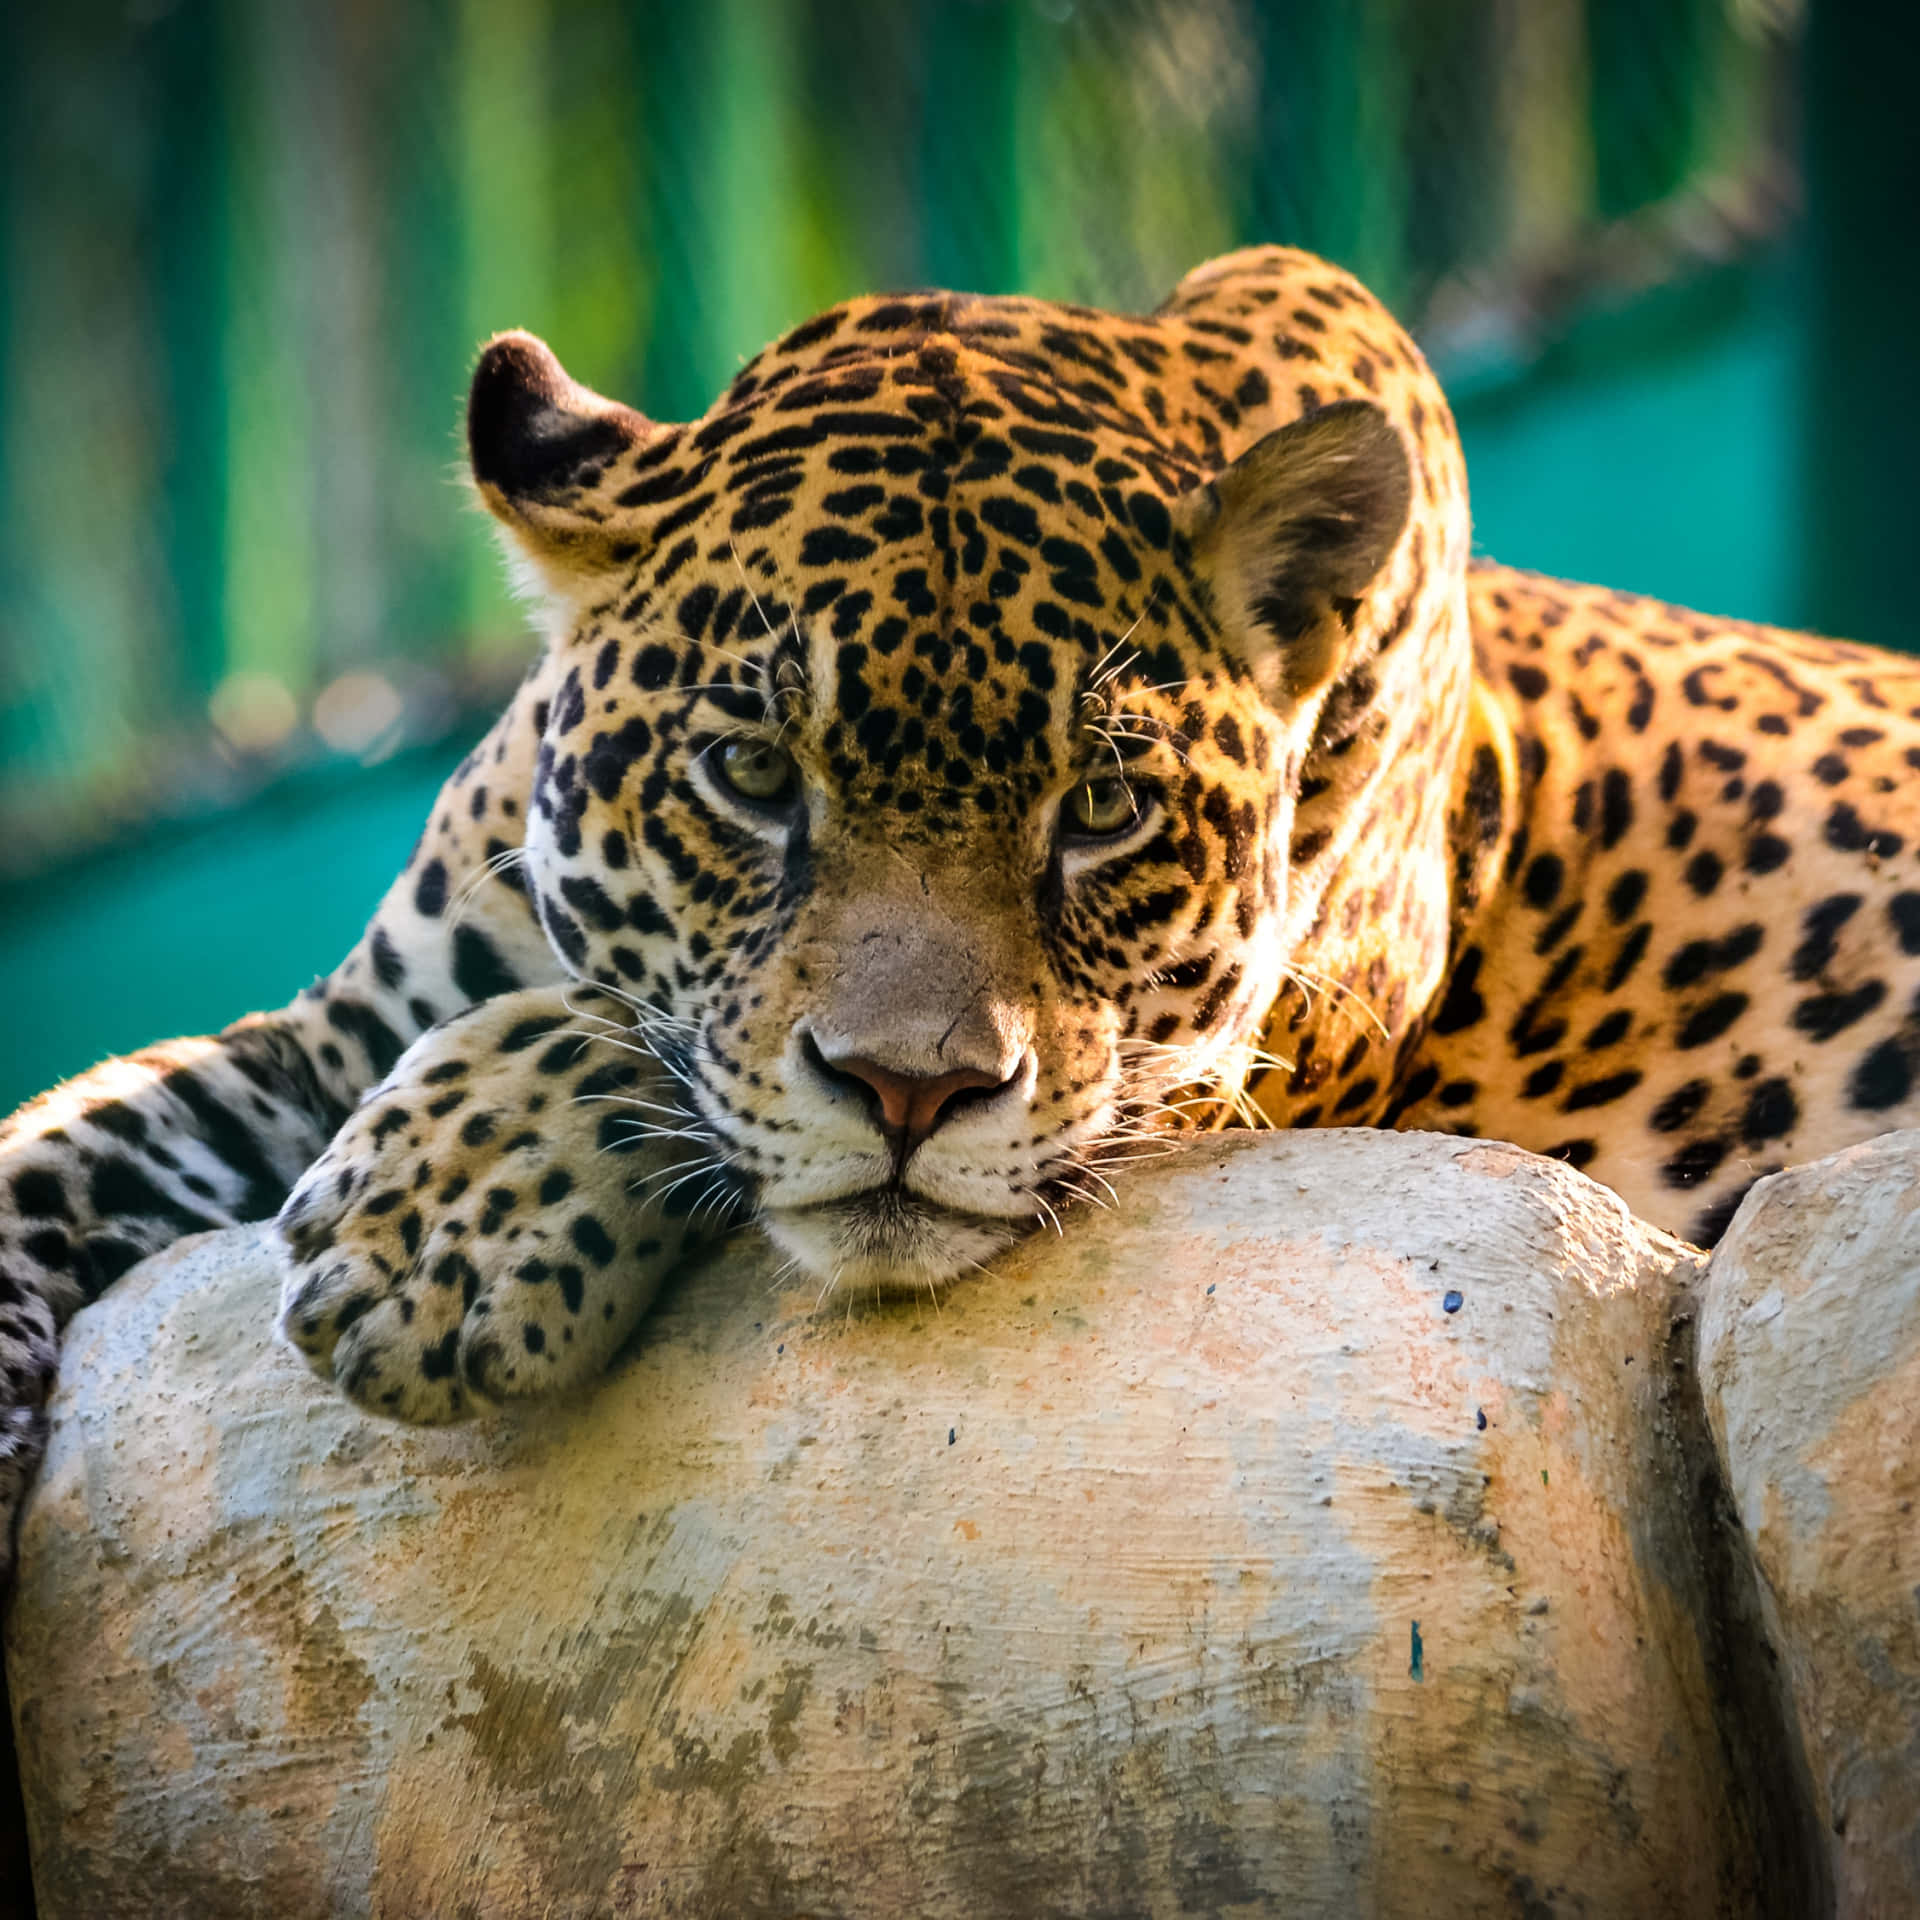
{"x": 1291, "y": 535}
{"x": 540, "y": 445}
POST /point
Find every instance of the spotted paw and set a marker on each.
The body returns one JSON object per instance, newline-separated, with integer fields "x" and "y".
{"x": 495, "y": 1217}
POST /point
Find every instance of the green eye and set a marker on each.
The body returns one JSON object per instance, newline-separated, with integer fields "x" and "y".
{"x": 1101, "y": 806}
{"x": 757, "y": 770}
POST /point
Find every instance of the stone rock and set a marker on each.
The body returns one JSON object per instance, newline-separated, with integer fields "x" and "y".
{"x": 1810, "y": 1355}
{"x": 1333, "y": 1527}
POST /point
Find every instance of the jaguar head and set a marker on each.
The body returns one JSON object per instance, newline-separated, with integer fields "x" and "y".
{"x": 925, "y": 753}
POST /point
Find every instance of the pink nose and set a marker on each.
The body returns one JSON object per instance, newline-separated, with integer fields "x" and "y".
{"x": 910, "y": 1105}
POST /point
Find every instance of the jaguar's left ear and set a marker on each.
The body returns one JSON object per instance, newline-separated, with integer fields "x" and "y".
{"x": 540, "y": 444}
{"x": 1291, "y": 535}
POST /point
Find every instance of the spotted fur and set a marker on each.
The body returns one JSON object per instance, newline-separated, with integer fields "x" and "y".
{"x": 1383, "y": 838}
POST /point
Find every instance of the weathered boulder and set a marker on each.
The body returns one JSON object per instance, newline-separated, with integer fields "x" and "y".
{"x": 1333, "y": 1527}
{"x": 1810, "y": 1353}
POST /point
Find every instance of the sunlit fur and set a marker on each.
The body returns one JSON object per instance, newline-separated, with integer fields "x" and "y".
{"x": 1420, "y": 844}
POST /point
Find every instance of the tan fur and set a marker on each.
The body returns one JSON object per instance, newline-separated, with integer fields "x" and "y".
{"x": 1415, "y": 844}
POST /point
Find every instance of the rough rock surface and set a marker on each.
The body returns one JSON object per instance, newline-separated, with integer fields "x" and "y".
{"x": 1331, "y": 1528}
{"x": 1810, "y": 1353}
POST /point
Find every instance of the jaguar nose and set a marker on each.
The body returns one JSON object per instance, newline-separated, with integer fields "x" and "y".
{"x": 908, "y": 1107}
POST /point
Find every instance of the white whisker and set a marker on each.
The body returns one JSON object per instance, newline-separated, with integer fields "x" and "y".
{"x": 1092, "y": 1169}
{"x": 681, "y": 1176}
{"x": 783, "y": 1272}
{"x": 490, "y": 868}
{"x": 1307, "y": 978}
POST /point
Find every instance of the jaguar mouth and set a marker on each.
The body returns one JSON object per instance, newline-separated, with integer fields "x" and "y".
{"x": 889, "y": 1240}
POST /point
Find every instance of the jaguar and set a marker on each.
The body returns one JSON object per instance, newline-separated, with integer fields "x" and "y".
{"x": 998, "y": 738}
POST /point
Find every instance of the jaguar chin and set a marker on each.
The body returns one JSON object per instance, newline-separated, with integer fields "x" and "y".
{"x": 889, "y": 1241}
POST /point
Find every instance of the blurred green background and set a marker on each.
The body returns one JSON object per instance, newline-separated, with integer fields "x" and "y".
{"x": 248, "y": 616}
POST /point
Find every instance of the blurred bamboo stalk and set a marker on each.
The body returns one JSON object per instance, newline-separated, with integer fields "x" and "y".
{"x": 250, "y": 247}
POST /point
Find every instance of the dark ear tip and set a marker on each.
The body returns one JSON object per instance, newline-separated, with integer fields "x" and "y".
{"x": 1378, "y": 477}
{"x": 519, "y": 362}
{"x": 531, "y": 432}
{"x": 1361, "y": 424}
{"x": 516, "y": 382}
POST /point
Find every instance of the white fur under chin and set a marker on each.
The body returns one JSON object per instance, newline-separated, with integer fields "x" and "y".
{"x": 889, "y": 1242}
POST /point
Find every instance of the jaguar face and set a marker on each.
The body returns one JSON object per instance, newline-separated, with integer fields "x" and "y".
{"x": 923, "y": 765}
